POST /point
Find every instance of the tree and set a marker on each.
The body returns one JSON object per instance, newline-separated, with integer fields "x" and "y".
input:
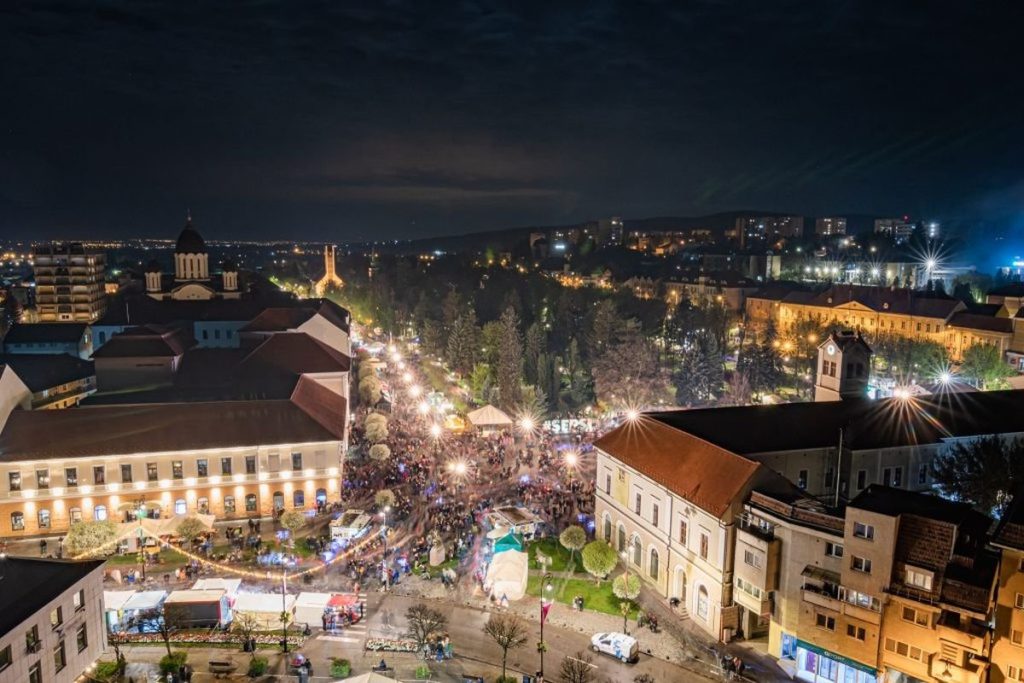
{"x": 984, "y": 364}
{"x": 534, "y": 344}
{"x": 384, "y": 498}
{"x": 510, "y": 360}
{"x": 189, "y": 530}
{"x": 90, "y": 537}
{"x": 761, "y": 365}
{"x": 700, "y": 375}
{"x": 463, "y": 345}
{"x": 375, "y": 428}
{"x": 380, "y": 452}
{"x": 245, "y": 626}
{"x": 578, "y": 669}
{"x": 984, "y": 472}
{"x": 369, "y": 390}
{"x": 509, "y": 631}
{"x": 480, "y": 383}
{"x": 424, "y": 623}
{"x": 599, "y": 558}
{"x": 626, "y": 587}
{"x": 292, "y": 520}
{"x": 573, "y": 538}
{"x": 628, "y": 373}
{"x": 166, "y": 623}
{"x": 604, "y": 328}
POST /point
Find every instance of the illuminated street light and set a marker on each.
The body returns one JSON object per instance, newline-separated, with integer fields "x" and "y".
{"x": 415, "y": 391}
{"x": 526, "y": 424}
{"x": 423, "y": 408}
{"x": 632, "y": 415}
{"x": 407, "y": 377}
{"x": 945, "y": 377}
{"x": 435, "y": 430}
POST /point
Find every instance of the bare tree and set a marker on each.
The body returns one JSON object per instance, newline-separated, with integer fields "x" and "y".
{"x": 578, "y": 668}
{"x": 424, "y": 623}
{"x": 509, "y": 631}
{"x": 246, "y": 627}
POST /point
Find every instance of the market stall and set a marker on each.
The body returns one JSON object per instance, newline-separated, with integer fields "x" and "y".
{"x": 309, "y": 607}
{"x": 197, "y": 609}
{"x": 141, "y": 604}
{"x": 265, "y": 608}
{"x": 229, "y": 586}
{"x": 489, "y": 419}
{"x": 113, "y": 607}
{"x": 507, "y": 575}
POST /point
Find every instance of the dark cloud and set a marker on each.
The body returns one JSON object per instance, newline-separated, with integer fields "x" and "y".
{"x": 342, "y": 120}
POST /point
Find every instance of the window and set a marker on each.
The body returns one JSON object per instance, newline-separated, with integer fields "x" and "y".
{"x": 919, "y": 579}
{"x": 43, "y": 479}
{"x": 905, "y": 650}
{"x": 75, "y": 515}
{"x": 180, "y": 506}
{"x": 749, "y": 588}
{"x": 683, "y": 532}
{"x": 914, "y": 616}
{"x": 833, "y": 549}
{"x": 126, "y": 474}
{"x": 1014, "y": 673}
{"x": 1017, "y": 637}
{"x": 856, "y": 632}
{"x": 17, "y": 521}
{"x": 202, "y": 468}
{"x": 99, "y": 475}
{"x": 56, "y": 617}
{"x": 887, "y": 476}
{"x": 863, "y": 531}
{"x": 607, "y": 483}
{"x": 704, "y": 542}
{"x": 622, "y": 474}
{"x": 176, "y": 469}
{"x": 5, "y": 658}
{"x": 296, "y": 461}
{"x": 607, "y": 527}
{"x": 14, "y": 480}
{"x": 753, "y": 559}
{"x": 299, "y": 500}
{"x": 229, "y": 505}
{"x": 203, "y": 505}
{"x": 250, "y": 464}
{"x": 861, "y": 564}
{"x": 862, "y": 478}
{"x": 824, "y": 621}
{"x": 652, "y": 569}
{"x": 702, "y": 603}
{"x": 638, "y": 551}
{"x": 278, "y": 500}
{"x": 1019, "y": 601}
{"x": 71, "y": 476}
{"x": 801, "y": 479}
{"x": 225, "y": 466}
{"x": 82, "y": 638}
{"x": 897, "y": 477}
{"x": 44, "y": 519}
{"x": 152, "y": 474}
{"x": 78, "y": 600}
{"x": 654, "y": 514}
{"x": 622, "y": 538}
{"x": 250, "y": 502}
{"x": 32, "y": 640}
{"x": 35, "y": 673}
{"x": 59, "y": 658}
{"x": 637, "y": 504}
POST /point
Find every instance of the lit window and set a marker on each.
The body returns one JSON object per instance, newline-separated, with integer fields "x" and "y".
{"x": 865, "y": 531}
{"x": 861, "y": 564}
{"x": 99, "y": 513}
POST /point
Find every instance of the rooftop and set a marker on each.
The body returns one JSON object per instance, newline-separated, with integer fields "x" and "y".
{"x": 54, "y": 333}
{"x": 27, "y": 585}
{"x": 47, "y": 370}
{"x": 893, "y": 502}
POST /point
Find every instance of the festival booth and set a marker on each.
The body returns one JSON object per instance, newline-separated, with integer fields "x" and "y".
{"x": 165, "y": 527}
{"x": 509, "y": 541}
{"x": 371, "y": 677}
{"x": 113, "y": 608}
{"x": 139, "y": 607}
{"x": 517, "y": 519}
{"x": 197, "y": 609}
{"x": 229, "y": 586}
{"x": 310, "y": 608}
{"x": 507, "y": 575}
{"x": 264, "y": 608}
{"x": 489, "y": 419}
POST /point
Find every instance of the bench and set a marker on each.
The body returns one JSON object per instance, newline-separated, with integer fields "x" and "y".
{"x": 222, "y": 667}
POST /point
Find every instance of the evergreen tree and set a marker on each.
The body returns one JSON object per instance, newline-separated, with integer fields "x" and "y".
{"x": 700, "y": 374}
{"x": 534, "y": 344}
{"x": 462, "y": 347}
{"x": 510, "y": 360}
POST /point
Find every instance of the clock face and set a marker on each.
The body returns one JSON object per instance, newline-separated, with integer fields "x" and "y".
{"x": 831, "y": 349}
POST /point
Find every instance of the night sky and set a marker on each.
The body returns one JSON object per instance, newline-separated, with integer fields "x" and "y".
{"x": 331, "y": 120}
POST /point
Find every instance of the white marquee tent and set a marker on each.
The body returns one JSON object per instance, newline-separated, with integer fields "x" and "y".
{"x": 265, "y": 608}
{"x": 507, "y": 575}
{"x": 489, "y": 417}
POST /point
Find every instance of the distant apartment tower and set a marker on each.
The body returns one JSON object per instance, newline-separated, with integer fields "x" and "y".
{"x": 609, "y": 230}
{"x": 900, "y": 229}
{"x": 757, "y": 229}
{"x": 69, "y": 282}
{"x": 831, "y": 225}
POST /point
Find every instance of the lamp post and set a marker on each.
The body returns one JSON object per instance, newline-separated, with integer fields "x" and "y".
{"x": 545, "y": 605}
{"x": 284, "y": 606}
{"x": 625, "y": 585}
{"x": 384, "y": 534}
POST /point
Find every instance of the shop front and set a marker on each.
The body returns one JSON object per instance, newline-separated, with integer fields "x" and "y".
{"x": 817, "y": 665}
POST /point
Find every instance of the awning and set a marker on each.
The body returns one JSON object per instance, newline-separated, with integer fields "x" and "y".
{"x": 229, "y": 586}
{"x": 115, "y": 600}
{"x": 866, "y": 668}
{"x": 820, "y": 574}
{"x": 145, "y": 600}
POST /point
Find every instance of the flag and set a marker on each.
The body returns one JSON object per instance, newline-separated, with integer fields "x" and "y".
{"x": 544, "y": 612}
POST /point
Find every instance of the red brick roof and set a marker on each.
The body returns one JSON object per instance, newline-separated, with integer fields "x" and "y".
{"x": 704, "y": 474}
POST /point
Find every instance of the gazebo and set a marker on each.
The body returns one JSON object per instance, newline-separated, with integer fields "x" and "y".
{"x": 490, "y": 419}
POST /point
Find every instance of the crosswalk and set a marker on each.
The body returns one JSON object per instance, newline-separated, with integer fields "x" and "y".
{"x": 352, "y": 635}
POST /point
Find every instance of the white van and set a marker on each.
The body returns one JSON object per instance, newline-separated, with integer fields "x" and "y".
{"x": 618, "y": 645}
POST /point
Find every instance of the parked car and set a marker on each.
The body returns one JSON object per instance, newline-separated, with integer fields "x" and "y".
{"x": 618, "y": 645}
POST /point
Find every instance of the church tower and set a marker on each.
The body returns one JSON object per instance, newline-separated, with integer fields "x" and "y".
{"x": 330, "y": 278}
{"x": 191, "y": 262}
{"x": 844, "y": 364}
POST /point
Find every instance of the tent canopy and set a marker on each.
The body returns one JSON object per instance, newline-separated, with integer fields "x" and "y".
{"x": 318, "y": 600}
{"x": 155, "y": 528}
{"x": 489, "y": 416}
{"x": 509, "y": 541}
{"x": 229, "y": 586}
{"x": 507, "y": 575}
{"x": 371, "y": 677}
{"x": 115, "y": 600}
{"x": 263, "y": 602}
{"x": 145, "y": 600}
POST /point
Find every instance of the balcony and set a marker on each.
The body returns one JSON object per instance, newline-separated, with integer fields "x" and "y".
{"x": 821, "y": 597}
{"x": 967, "y": 632}
{"x": 962, "y": 672}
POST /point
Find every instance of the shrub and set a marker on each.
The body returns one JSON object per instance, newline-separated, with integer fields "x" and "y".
{"x": 173, "y": 662}
{"x": 506, "y": 679}
{"x": 257, "y": 666}
{"x": 107, "y": 672}
{"x": 422, "y": 672}
{"x": 340, "y": 667}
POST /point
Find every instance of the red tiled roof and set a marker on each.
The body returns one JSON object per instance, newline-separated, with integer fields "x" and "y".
{"x": 704, "y": 474}
{"x": 279, "y": 319}
{"x": 295, "y": 352}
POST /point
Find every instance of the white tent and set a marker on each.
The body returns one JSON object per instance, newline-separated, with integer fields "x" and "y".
{"x": 507, "y": 574}
{"x": 265, "y": 608}
{"x": 144, "y": 600}
{"x": 372, "y": 677}
{"x": 113, "y": 601}
{"x": 489, "y": 417}
{"x": 229, "y": 586}
{"x": 309, "y": 607}
{"x": 155, "y": 528}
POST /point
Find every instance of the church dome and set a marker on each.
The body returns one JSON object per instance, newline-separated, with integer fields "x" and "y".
{"x": 190, "y": 241}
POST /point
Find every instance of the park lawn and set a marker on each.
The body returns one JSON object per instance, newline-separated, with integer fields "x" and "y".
{"x": 560, "y": 557}
{"x": 434, "y": 572}
{"x": 598, "y": 598}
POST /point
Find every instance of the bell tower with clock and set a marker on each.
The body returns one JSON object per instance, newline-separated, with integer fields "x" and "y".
{"x": 844, "y": 364}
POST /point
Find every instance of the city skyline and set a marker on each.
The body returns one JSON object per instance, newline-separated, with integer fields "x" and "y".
{"x": 349, "y": 124}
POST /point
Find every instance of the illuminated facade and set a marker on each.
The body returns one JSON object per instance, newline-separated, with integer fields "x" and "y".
{"x": 69, "y": 282}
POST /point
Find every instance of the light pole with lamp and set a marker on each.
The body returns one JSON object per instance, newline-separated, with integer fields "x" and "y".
{"x": 384, "y": 534}
{"x": 545, "y": 605}
{"x": 625, "y": 585}
{"x": 284, "y": 606}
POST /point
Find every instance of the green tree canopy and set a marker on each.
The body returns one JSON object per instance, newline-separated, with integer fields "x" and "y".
{"x": 599, "y": 558}
{"x": 88, "y": 537}
{"x": 984, "y": 365}
{"x": 985, "y": 472}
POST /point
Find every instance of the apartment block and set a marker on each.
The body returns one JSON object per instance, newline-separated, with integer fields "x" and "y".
{"x": 69, "y": 282}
